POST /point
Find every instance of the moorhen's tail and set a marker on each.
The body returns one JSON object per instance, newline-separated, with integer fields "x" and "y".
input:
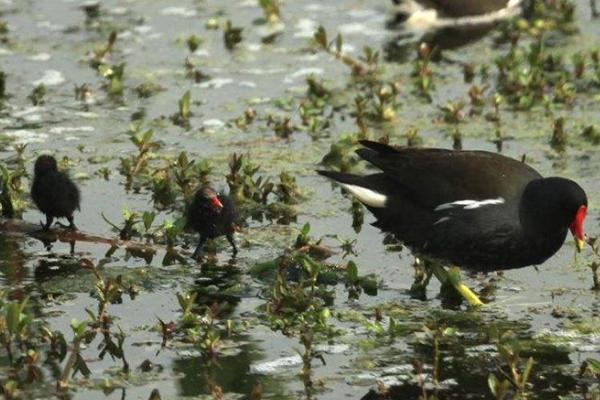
{"x": 379, "y": 147}
{"x": 370, "y": 190}
{"x": 385, "y": 198}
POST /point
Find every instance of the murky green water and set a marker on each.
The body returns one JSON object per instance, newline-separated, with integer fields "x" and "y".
{"x": 48, "y": 41}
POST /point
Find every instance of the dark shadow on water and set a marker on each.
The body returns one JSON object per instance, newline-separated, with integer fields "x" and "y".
{"x": 401, "y": 48}
{"x": 230, "y": 373}
{"x": 12, "y": 261}
{"x": 219, "y": 284}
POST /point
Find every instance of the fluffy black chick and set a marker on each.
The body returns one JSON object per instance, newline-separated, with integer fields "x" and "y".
{"x": 211, "y": 215}
{"x": 53, "y": 192}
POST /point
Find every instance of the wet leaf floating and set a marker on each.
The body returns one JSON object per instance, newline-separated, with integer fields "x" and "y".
{"x": 98, "y": 57}
{"x": 595, "y": 264}
{"x": 271, "y": 10}
{"x": 37, "y": 95}
{"x": 148, "y": 89}
{"x": 232, "y": 36}
{"x": 2, "y": 87}
{"x": 422, "y": 72}
{"x": 12, "y": 188}
{"x": 559, "y": 138}
{"x": 92, "y": 12}
{"x": 114, "y": 76}
{"x": 155, "y": 395}
{"x": 356, "y": 66}
{"x": 182, "y": 116}
{"x": 453, "y": 112}
{"x": 193, "y": 42}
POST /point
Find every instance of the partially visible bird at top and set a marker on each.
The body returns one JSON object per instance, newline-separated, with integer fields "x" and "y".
{"x": 446, "y": 24}
{"x": 427, "y": 15}
{"x": 53, "y": 192}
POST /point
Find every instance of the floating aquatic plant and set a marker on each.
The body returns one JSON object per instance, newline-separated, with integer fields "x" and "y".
{"x": 271, "y": 10}
{"x": 114, "y": 76}
{"x": 232, "y": 36}
{"x": 339, "y": 155}
{"x": 182, "y": 116}
{"x": 559, "y": 138}
{"x": 193, "y": 42}
{"x": 37, "y": 95}
{"x": 422, "y": 72}
{"x": 453, "y": 112}
{"x": 595, "y": 264}
{"x": 356, "y": 66}
{"x": 2, "y": 86}
{"x": 147, "y": 89}
{"x": 134, "y": 165}
{"x": 509, "y": 349}
{"x": 98, "y": 56}
{"x": 92, "y": 12}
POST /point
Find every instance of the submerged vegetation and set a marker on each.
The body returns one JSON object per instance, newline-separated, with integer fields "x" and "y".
{"x": 143, "y": 105}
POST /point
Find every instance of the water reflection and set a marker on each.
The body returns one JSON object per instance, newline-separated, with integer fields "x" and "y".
{"x": 12, "y": 260}
{"x": 230, "y": 373}
{"x": 401, "y": 48}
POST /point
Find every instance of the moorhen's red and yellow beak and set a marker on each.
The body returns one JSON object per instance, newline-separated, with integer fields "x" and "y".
{"x": 216, "y": 203}
{"x": 577, "y": 228}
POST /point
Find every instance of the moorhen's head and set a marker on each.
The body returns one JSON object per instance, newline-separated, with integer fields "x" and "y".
{"x": 45, "y": 164}
{"x": 210, "y": 198}
{"x": 554, "y": 203}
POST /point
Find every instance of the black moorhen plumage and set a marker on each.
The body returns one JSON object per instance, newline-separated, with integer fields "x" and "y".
{"x": 212, "y": 215}
{"x": 426, "y": 15}
{"x": 476, "y": 209}
{"x": 53, "y": 192}
{"x": 446, "y": 24}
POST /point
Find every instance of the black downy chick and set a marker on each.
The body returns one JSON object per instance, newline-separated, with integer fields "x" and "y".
{"x": 211, "y": 215}
{"x": 53, "y": 192}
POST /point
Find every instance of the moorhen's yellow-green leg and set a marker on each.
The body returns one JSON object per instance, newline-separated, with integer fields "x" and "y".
{"x": 453, "y": 278}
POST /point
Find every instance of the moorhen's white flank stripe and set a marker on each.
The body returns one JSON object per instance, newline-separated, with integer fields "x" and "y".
{"x": 366, "y": 196}
{"x": 470, "y": 204}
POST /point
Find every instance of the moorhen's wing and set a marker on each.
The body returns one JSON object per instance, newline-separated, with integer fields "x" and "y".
{"x": 432, "y": 177}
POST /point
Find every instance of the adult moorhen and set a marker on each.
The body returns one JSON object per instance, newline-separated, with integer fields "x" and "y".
{"x": 211, "y": 215}
{"x": 426, "y": 15}
{"x": 53, "y": 192}
{"x": 480, "y": 210}
{"x": 446, "y": 24}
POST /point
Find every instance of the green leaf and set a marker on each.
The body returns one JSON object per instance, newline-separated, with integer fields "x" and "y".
{"x": 449, "y": 332}
{"x": 81, "y": 366}
{"x": 592, "y": 365}
{"x": 368, "y": 284}
{"x": 305, "y": 229}
{"x": 527, "y": 370}
{"x": 321, "y": 36}
{"x": 148, "y": 218}
{"x": 184, "y": 105}
{"x": 338, "y": 43}
{"x": 179, "y": 224}
{"x": 492, "y": 383}
{"x": 352, "y": 272}
{"x": 13, "y": 315}
{"x": 147, "y": 136}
